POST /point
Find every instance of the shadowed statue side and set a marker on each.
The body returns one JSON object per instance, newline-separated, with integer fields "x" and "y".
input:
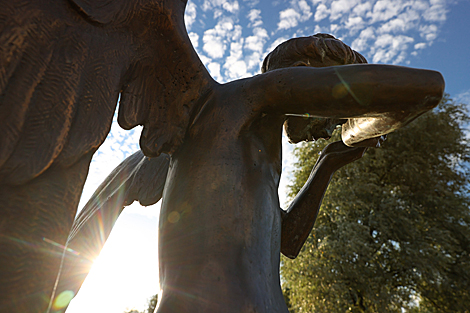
{"x": 63, "y": 66}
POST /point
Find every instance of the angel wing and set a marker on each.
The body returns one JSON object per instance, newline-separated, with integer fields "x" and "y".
{"x": 63, "y": 66}
{"x": 136, "y": 178}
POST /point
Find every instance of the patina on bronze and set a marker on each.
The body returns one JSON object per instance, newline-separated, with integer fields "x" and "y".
{"x": 221, "y": 227}
{"x": 63, "y": 65}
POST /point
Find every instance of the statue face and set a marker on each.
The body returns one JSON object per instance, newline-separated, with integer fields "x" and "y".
{"x": 310, "y": 128}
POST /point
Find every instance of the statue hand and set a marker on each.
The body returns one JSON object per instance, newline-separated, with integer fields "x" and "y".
{"x": 371, "y": 142}
{"x": 337, "y": 154}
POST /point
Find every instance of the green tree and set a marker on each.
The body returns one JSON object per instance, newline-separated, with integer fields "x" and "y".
{"x": 152, "y": 304}
{"x": 393, "y": 230}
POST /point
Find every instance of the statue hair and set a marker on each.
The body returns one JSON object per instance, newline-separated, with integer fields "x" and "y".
{"x": 315, "y": 47}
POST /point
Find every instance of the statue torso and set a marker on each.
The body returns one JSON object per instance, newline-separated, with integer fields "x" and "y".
{"x": 219, "y": 235}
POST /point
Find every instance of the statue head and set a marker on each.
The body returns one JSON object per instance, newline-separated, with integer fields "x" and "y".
{"x": 320, "y": 50}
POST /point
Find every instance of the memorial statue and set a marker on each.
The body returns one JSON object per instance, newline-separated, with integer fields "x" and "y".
{"x": 221, "y": 228}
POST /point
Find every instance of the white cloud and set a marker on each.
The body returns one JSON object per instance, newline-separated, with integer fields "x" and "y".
{"x": 231, "y": 7}
{"x": 237, "y": 70}
{"x": 190, "y": 14}
{"x": 204, "y": 59}
{"x": 256, "y": 42}
{"x": 361, "y": 42}
{"x": 214, "y": 70}
{"x": 340, "y": 7}
{"x": 393, "y": 26}
{"x": 235, "y": 66}
{"x": 437, "y": 11}
{"x": 300, "y": 12}
{"x": 288, "y": 18}
{"x": 321, "y": 13}
{"x": 194, "y": 39}
{"x": 255, "y": 18}
{"x": 415, "y": 20}
{"x": 362, "y": 8}
{"x": 354, "y": 24}
{"x": 420, "y": 45}
{"x": 463, "y": 97}
{"x": 387, "y": 47}
{"x": 213, "y": 47}
{"x": 215, "y": 39}
{"x": 428, "y": 32}
{"x": 255, "y": 45}
{"x": 318, "y": 29}
{"x": 384, "y": 10}
{"x": 305, "y": 9}
{"x": 217, "y": 13}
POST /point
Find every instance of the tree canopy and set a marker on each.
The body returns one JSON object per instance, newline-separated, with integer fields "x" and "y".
{"x": 393, "y": 230}
{"x": 151, "y": 305}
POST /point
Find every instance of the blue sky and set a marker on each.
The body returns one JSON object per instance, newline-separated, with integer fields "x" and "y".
{"x": 232, "y": 37}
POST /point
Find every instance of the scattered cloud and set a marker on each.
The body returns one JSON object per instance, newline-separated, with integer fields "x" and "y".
{"x": 366, "y": 23}
{"x": 255, "y": 18}
{"x": 321, "y": 13}
{"x": 339, "y": 8}
{"x": 232, "y": 7}
{"x": 463, "y": 97}
{"x": 229, "y": 6}
{"x": 190, "y": 14}
{"x": 254, "y": 48}
{"x": 216, "y": 39}
{"x": 291, "y": 17}
{"x": 420, "y": 45}
{"x": 428, "y": 32}
{"x": 214, "y": 70}
{"x": 194, "y": 37}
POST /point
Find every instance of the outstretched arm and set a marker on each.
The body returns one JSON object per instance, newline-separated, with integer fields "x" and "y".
{"x": 136, "y": 178}
{"x": 347, "y": 91}
{"x": 393, "y": 94}
{"x": 301, "y": 214}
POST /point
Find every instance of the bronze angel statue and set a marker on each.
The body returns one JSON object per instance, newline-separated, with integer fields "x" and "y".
{"x": 221, "y": 228}
{"x": 211, "y": 151}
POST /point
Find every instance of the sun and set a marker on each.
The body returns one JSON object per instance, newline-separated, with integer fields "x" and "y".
{"x": 125, "y": 274}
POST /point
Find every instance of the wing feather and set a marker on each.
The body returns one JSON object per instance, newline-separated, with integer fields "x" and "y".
{"x": 136, "y": 178}
{"x": 22, "y": 68}
{"x": 50, "y": 112}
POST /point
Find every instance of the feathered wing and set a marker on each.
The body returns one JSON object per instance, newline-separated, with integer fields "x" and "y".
{"x": 63, "y": 66}
{"x": 136, "y": 178}
{"x": 56, "y": 78}
{"x": 59, "y": 85}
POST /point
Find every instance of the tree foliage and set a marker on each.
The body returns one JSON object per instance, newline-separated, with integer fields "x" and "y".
{"x": 393, "y": 230}
{"x": 152, "y": 304}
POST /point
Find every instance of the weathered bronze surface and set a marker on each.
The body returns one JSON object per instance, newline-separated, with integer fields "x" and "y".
{"x": 63, "y": 65}
{"x": 221, "y": 228}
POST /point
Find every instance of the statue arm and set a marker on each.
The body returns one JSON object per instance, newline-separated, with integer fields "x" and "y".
{"x": 346, "y": 91}
{"x": 298, "y": 220}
